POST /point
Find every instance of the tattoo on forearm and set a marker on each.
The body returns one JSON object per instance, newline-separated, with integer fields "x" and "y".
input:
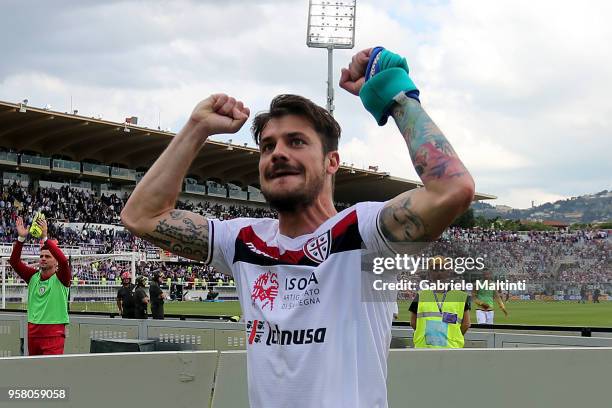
{"x": 157, "y": 240}
{"x": 181, "y": 234}
{"x": 398, "y": 223}
{"x": 432, "y": 155}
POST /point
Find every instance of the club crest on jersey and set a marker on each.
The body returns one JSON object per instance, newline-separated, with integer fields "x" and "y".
{"x": 265, "y": 289}
{"x": 42, "y": 290}
{"x": 317, "y": 249}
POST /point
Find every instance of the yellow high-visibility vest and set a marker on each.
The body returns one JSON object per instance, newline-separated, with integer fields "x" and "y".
{"x": 431, "y": 330}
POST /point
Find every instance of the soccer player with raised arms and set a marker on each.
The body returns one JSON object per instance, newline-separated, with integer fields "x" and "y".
{"x": 311, "y": 341}
{"x": 47, "y": 290}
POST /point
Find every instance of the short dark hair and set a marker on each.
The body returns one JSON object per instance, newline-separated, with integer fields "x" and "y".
{"x": 320, "y": 119}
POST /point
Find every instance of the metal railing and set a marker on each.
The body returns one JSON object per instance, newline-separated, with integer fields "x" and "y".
{"x": 96, "y": 168}
{"x": 123, "y": 173}
{"x": 72, "y": 166}
{"x": 27, "y": 159}
{"x": 195, "y": 188}
{"x": 219, "y": 191}
{"x": 8, "y": 157}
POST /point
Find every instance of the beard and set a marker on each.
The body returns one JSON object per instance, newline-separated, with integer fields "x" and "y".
{"x": 293, "y": 201}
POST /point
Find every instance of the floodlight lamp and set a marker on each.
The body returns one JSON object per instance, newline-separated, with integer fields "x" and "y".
{"x": 331, "y": 24}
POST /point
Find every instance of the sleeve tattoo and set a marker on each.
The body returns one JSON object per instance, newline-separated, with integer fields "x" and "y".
{"x": 181, "y": 234}
{"x": 434, "y": 160}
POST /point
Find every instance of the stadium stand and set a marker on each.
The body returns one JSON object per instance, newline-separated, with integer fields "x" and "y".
{"x": 82, "y": 179}
{"x": 84, "y": 219}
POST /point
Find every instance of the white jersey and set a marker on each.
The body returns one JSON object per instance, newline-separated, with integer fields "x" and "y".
{"x": 311, "y": 340}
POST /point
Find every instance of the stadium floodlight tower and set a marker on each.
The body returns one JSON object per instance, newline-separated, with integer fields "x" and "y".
{"x": 331, "y": 24}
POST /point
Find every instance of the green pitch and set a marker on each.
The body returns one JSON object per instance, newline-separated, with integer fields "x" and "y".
{"x": 521, "y": 312}
{"x": 534, "y": 312}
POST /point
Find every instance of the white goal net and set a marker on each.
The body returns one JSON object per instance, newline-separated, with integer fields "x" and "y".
{"x": 95, "y": 281}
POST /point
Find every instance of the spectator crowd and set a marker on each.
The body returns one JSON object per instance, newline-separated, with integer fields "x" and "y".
{"x": 549, "y": 259}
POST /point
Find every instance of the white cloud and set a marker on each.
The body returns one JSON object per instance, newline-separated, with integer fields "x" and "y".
{"x": 520, "y": 88}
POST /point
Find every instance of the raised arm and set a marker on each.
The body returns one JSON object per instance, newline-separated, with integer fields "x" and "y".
{"x": 64, "y": 273}
{"x": 421, "y": 214}
{"x": 23, "y": 270}
{"x": 424, "y": 213}
{"x": 150, "y": 212}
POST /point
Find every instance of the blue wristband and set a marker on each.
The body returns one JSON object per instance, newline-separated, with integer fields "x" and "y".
{"x": 373, "y": 62}
{"x": 377, "y": 94}
{"x": 386, "y": 76}
{"x": 414, "y": 95}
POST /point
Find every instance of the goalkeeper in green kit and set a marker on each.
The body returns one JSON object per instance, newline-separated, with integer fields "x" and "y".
{"x": 47, "y": 290}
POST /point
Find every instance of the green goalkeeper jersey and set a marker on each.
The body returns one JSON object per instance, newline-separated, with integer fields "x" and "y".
{"x": 47, "y": 300}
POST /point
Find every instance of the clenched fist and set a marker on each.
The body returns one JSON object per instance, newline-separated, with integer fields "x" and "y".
{"x": 219, "y": 113}
{"x": 353, "y": 78}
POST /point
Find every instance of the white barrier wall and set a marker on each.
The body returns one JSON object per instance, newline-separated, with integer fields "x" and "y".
{"x": 500, "y": 378}
{"x": 161, "y": 379}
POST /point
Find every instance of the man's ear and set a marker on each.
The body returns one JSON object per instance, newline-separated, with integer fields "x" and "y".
{"x": 332, "y": 162}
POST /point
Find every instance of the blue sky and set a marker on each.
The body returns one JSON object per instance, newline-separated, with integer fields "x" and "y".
{"x": 520, "y": 88}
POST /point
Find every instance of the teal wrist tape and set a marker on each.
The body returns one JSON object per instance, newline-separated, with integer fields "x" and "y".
{"x": 390, "y": 59}
{"x": 378, "y": 92}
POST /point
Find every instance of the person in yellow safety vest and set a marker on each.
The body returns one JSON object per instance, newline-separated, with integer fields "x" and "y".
{"x": 103, "y": 280}
{"x": 440, "y": 318}
{"x": 219, "y": 282}
{"x": 196, "y": 282}
{"x": 232, "y": 283}
{"x": 75, "y": 280}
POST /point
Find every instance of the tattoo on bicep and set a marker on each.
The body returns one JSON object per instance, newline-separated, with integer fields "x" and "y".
{"x": 399, "y": 223}
{"x": 181, "y": 235}
{"x": 177, "y": 215}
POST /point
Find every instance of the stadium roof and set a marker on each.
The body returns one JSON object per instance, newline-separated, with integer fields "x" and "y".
{"x": 81, "y": 138}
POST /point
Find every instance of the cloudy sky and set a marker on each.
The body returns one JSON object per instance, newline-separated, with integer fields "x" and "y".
{"x": 520, "y": 88}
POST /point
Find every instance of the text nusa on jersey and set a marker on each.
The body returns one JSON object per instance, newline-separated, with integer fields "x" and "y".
{"x": 257, "y": 330}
